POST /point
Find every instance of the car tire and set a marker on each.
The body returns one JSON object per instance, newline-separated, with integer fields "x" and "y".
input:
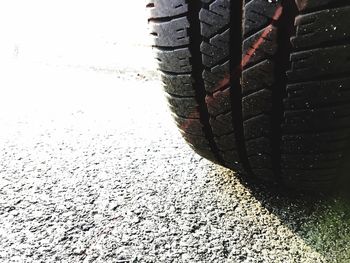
{"x": 259, "y": 86}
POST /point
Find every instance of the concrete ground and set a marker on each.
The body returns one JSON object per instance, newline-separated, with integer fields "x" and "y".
{"x": 93, "y": 169}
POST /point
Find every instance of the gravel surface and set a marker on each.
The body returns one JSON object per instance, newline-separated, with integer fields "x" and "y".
{"x": 105, "y": 176}
{"x": 93, "y": 170}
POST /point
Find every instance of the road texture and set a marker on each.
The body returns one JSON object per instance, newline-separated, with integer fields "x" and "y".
{"x": 93, "y": 169}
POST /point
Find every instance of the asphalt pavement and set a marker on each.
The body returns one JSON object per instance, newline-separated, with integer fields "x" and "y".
{"x": 93, "y": 169}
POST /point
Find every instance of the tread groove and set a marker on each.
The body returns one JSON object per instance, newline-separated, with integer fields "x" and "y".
{"x": 286, "y": 29}
{"x": 235, "y": 75}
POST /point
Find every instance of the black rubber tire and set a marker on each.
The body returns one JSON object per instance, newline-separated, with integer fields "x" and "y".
{"x": 260, "y": 86}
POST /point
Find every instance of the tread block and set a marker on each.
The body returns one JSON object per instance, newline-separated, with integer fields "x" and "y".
{"x": 216, "y": 50}
{"x": 184, "y": 107}
{"x": 257, "y": 127}
{"x": 214, "y": 18}
{"x": 171, "y": 34}
{"x": 336, "y": 117}
{"x": 323, "y": 93}
{"x": 322, "y": 27}
{"x": 258, "y": 77}
{"x": 312, "y": 143}
{"x": 177, "y": 61}
{"x": 222, "y": 124}
{"x": 300, "y": 125}
{"x": 257, "y": 103}
{"x": 217, "y": 77}
{"x": 196, "y": 140}
{"x": 320, "y": 62}
{"x": 258, "y": 14}
{"x": 166, "y": 8}
{"x": 192, "y": 126}
{"x": 261, "y": 45}
{"x": 180, "y": 85}
{"x": 219, "y": 102}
